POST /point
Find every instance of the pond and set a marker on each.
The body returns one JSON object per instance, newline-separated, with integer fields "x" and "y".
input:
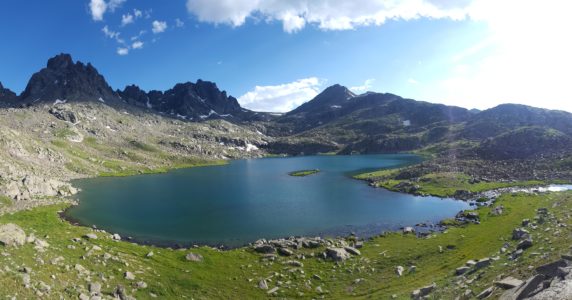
{"x": 247, "y": 200}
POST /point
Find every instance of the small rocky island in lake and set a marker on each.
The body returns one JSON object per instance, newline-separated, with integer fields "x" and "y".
{"x": 303, "y": 173}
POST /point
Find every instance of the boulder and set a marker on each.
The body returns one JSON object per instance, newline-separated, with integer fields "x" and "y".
{"x": 485, "y": 262}
{"x": 337, "y": 254}
{"x": 399, "y": 271}
{"x": 461, "y": 270}
{"x": 408, "y": 230}
{"x": 487, "y": 292}
{"x": 285, "y": 252}
{"x": 422, "y": 292}
{"x": 531, "y": 286}
{"x": 264, "y": 249}
{"x": 194, "y": 257}
{"x": 262, "y": 284}
{"x": 524, "y": 244}
{"x": 552, "y": 269}
{"x": 129, "y": 276}
{"x": 520, "y": 233}
{"x": 352, "y": 250}
{"x": 12, "y": 235}
{"x": 509, "y": 283}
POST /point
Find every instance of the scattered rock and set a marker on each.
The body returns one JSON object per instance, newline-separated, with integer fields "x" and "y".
{"x": 462, "y": 270}
{"x": 129, "y": 276}
{"x": 194, "y": 257}
{"x": 141, "y": 285}
{"x": 485, "y": 262}
{"x": 552, "y": 269}
{"x": 509, "y": 283}
{"x": 285, "y": 251}
{"x": 484, "y": 294}
{"x": 399, "y": 271}
{"x": 337, "y": 254}
{"x": 262, "y": 284}
{"x": 520, "y": 233}
{"x": 91, "y": 236}
{"x": 524, "y": 244}
{"x": 352, "y": 250}
{"x": 424, "y": 291}
{"x": 265, "y": 249}
{"x": 408, "y": 230}
{"x": 12, "y": 235}
{"x": 95, "y": 288}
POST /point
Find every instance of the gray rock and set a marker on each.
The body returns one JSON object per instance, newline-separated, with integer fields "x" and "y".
{"x": 129, "y": 276}
{"x": 337, "y": 254}
{"x": 520, "y": 233}
{"x": 294, "y": 263}
{"x": 285, "y": 251}
{"x": 12, "y": 235}
{"x": 485, "y": 262}
{"x": 461, "y": 270}
{"x": 264, "y": 249}
{"x": 531, "y": 286}
{"x": 95, "y": 288}
{"x": 552, "y": 269}
{"x": 352, "y": 250}
{"x": 91, "y": 236}
{"x": 273, "y": 290}
{"x": 487, "y": 292}
{"x": 408, "y": 230}
{"x": 194, "y": 257}
{"x": 424, "y": 291}
{"x": 262, "y": 284}
{"x": 141, "y": 285}
{"x": 509, "y": 283}
{"x": 524, "y": 244}
{"x": 399, "y": 270}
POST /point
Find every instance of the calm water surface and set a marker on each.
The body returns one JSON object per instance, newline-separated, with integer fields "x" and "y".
{"x": 251, "y": 199}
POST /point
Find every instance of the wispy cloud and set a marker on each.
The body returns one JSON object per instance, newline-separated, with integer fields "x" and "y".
{"x": 159, "y": 26}
{"x": 282, "y": 97}
{"x": 179, "y": 23}
{"x": 97, "y": 9}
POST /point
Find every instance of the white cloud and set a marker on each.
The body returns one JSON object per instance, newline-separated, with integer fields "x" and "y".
{"x": 122, "y": 51}
{"x": 367, "y": 85}
{"x": 126, "y": 19}
{"x": 114, "y": 4}
{"x": 326, "y": 14}
{"x": 137, "y": 45}
{"x": 137, "y": 13}
{"x": 97, "y": 8}
{"x": 179, "y": 23}
{"x": 283, "y": 97}
{"x": 159, "y": 26}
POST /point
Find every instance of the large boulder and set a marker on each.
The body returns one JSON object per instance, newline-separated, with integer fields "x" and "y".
{"x": 12, "y": 235}
{"x": 337, "y": 254}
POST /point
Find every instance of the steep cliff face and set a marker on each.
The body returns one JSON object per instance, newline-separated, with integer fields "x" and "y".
{"x": 64, "y": 80}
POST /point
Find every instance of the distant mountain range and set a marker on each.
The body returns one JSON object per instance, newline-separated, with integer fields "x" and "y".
{"x": 336, "y": 120}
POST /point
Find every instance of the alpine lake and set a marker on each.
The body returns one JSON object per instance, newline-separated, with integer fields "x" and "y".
{"x": 246, "y": 200}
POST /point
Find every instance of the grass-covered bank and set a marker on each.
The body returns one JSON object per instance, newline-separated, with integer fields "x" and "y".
{"x": 236, "y": 273}
{"x": 443, "y": 184}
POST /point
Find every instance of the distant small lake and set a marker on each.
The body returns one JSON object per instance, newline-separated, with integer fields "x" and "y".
{"x": 250, "y": 199}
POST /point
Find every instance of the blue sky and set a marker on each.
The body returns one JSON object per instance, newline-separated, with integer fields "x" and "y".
{"x": 274, "y": 55}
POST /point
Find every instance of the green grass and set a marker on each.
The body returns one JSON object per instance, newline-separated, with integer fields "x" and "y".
{"x": 441, "y": 184}
{"x": 235, "y": 273}
{"x": 5, "y": 201}
{"x": 303, "y": 173}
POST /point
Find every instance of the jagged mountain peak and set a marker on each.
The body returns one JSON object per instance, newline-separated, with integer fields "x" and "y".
{"x": 60, "y": 61}
{"x": 62, "y": 79}
{"x": 6, "y": 95}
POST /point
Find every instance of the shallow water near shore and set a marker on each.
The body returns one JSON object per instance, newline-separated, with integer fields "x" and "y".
{"x": 246, "y": 200}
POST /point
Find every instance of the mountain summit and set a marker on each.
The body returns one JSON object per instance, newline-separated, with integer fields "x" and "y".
{"x": 64, "y": 80}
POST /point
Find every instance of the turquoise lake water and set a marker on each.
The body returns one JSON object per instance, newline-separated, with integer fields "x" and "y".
{"x": 250, "y": 199}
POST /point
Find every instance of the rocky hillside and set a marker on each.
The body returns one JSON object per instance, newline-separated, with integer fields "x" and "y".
{"x": 7, "y": 97}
